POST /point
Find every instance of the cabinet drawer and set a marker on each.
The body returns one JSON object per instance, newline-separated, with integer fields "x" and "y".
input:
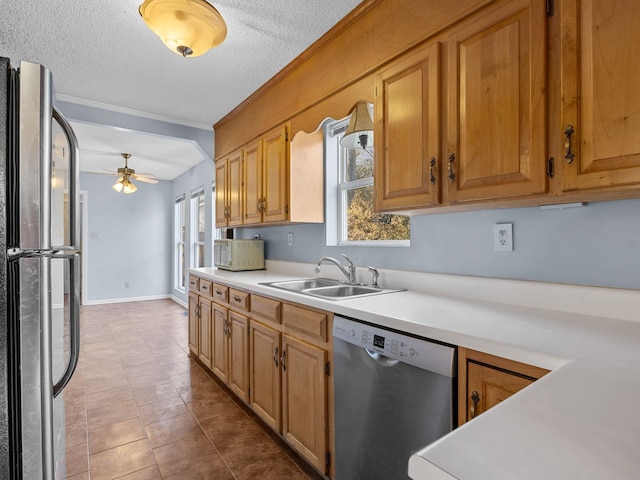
{"x": 239, "y": 299}
{"x": 194, "y": 284}
{"x": 220, "y": 292}
{"x": 305, "y": 321}
{"x": 205, "y": 287}
{"x": 266, "y": 308}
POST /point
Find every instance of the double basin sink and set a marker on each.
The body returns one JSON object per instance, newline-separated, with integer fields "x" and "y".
{"x": 329, "y": 289}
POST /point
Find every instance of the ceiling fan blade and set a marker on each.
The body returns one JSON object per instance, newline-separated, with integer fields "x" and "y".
{"x": 144, "y": 179}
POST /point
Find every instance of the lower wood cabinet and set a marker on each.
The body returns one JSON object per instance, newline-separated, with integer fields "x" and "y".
{"x": 205, "y": 347}
{"x": 194, "y": 325}
{"x": 485, "y": 380}
{"x": 289, "y": 390}
{"x": 219, "y": 363}
{"x": 265, "y": 378}
{"x": 230, "y": 356}
{"x": 304, "y": 400}
{"x": 238, "y": 338}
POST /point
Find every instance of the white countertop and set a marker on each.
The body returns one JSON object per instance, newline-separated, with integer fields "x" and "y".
{"x": 580, "y": 421}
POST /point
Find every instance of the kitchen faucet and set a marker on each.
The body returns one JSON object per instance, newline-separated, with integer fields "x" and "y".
{"x": 350, "y": 274}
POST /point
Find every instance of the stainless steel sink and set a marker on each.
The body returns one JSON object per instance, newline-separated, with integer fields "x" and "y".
{"x": 329, "y": 289}
{"x": 304, "y": 284}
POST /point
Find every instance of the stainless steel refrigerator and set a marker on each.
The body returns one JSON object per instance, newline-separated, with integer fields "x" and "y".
{"x": 39, "y": 288}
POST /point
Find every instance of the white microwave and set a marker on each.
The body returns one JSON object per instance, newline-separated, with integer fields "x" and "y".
{"x": 237, "y": 254}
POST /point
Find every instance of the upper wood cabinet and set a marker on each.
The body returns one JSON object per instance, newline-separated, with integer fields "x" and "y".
{"x": 600, "y": 99}
{"x": 229, "y": 190}
{"x": 272, "y": 180}
{"x": 494, "y": 99}
{"x": 496, "y": 86}
{"x": 407, "y": 131}
{"x": 265, "y": 178}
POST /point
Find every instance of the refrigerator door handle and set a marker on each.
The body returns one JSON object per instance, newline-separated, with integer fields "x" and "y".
{"x": 74, "y": 323}
{"x": 71, "y": 251}
{"x": 74, "y": 179}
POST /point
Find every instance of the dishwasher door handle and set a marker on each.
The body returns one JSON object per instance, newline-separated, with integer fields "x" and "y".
{"x": 381, "y": 359}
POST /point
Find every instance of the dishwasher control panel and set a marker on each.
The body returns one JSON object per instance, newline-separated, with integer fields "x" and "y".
{"x": 419, "y": 352}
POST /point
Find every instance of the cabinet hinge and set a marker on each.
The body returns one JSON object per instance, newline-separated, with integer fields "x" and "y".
{"x": 286, "y": 136}
{"x": 550, "y": 8}
{"x": 327, "y": 458}
{"x": 550, "y": 165}
{"x": 286, "y": 208}
{"x": 327, "y": 369}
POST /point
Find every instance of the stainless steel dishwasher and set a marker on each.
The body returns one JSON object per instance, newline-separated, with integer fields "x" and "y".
{"x": 394, "y": 394}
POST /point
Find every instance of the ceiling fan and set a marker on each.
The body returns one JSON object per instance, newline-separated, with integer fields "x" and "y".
{"x": 126, "y": 174}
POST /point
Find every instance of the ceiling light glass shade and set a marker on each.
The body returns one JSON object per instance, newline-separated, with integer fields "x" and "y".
{"x": 129, "y": 187}
{"x": 118, "y": 185}
{"x": 359, "y": 133}
{"x": 187, "y": 27}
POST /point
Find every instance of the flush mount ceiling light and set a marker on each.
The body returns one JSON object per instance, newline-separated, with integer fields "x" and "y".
{"x": 359, "y": 133}
{"x": 188, "y": 27}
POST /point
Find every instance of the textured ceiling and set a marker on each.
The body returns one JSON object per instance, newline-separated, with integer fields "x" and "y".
{"x": 101, "y": 52}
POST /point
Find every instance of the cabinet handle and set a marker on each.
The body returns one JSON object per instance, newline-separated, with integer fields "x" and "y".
{"x": 236, "y": 299}
{"x": 284, "y": 366}
{"x": 218, "y": 292}
{"x": 475, "y": 398}
{"x": 275, "y": 356}
{"x": 264, "y": 204}
{"x": 226, "y": 328}
{"x": 432, "y": 164}
{"x": 568, "y": 154}
{"x": 259, "y": 205}
{"x": 452, "y": 158}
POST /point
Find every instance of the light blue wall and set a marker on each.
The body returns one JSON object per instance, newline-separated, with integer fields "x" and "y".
{"x": 598, "y": 244}
{"x": 136, "y": 231}
{"x": 134, "y": 244}
{"x": 199, "y": 176}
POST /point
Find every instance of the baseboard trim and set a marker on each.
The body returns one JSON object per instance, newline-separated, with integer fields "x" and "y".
{"x": 179, "y": 301}
{"x": 130, "y": 299}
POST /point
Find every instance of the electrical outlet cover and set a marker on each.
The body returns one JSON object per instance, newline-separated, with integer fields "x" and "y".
{"x": 503, "y": 237}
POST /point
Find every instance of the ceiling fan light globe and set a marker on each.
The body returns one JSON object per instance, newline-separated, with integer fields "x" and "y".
{"x": 118, "y": 185}
{"x": 129, "y": 188}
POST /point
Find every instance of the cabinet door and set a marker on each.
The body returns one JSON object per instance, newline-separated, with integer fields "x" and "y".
{"x": 194, "y": 324}
{"x": 238, "y": 331}
{"x": 205, "y": 332}
{"x": 265, "y": 374}
{"x": 235, "y": 167}
{"x": 600, "y": 80}
{"x": 220, "y": 355}
{"x": 488, "y": 386}
{"x": 253, "y": 183}
{"x": 222, "y": 190}
{"x": 407, "y": 132}
{"x": 304, "y": 400}
{"x": 274, "y": 176}
{"x": 497, "y": 104}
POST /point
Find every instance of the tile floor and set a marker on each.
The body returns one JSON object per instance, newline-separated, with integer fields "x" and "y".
{"x": 139, "y": 408}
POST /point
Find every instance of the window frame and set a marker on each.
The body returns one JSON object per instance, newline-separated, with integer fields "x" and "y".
{"x": 179, "y": 236}
{"x": 197, "y": 203}
{"x": 337, "y": 188}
